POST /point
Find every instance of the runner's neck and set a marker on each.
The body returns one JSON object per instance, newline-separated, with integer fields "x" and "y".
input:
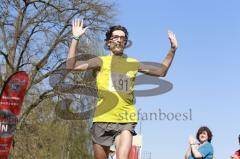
{"x": 112, "y": 54}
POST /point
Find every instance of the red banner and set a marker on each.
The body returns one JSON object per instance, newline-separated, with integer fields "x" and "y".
{"x": 11, "y": 99}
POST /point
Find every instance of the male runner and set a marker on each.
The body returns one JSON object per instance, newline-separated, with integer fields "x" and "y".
{"x": 115, "y": 120}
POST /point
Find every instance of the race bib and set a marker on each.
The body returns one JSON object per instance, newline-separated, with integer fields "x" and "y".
{"x": 119, "y": 82}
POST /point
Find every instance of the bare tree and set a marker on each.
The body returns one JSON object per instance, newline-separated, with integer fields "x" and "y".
{"x": 35, "y": 36}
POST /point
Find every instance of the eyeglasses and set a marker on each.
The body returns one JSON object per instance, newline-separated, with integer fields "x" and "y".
{"x": 115, "y": 37}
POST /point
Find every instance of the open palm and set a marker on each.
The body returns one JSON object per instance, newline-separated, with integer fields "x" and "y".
{"x": 173, "y": 40}
{"x": 77, "y": 27}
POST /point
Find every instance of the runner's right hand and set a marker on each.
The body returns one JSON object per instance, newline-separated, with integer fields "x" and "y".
{"x": 77, "y": 27}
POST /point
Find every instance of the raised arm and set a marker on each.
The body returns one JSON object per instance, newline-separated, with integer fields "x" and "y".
{"x": 195, "y": 152}
{"x": 161, "y": 70}
{"x": 72, "y": 63}
{"x": 188, "y": 152}
{"x": 194, "y": 147}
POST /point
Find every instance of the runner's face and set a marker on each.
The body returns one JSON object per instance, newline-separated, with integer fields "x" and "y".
{"x": 203, "y": 137}
{"x": 117, "y": 42}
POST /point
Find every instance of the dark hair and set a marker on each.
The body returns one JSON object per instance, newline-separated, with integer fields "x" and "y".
{"x": 239, "y": 138}
{"x": 113, "y": 28}
{"x": 201, "y": 130}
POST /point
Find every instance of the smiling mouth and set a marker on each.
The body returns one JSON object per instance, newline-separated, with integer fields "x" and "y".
{"x": 118, "y": 46}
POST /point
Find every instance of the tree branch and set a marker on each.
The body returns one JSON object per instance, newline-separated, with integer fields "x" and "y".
{"x": 57, "y": 40}
{"x": 41, "y": 98}
{"x": 6, "y": 59}
{"x": 46, "y": 3}
{"x": 17, "y": 33}
{"x": 4, "y": 36}
{"x": 20, "y": 66}
{"x": 31, "y": 21}
{"x": 25, "y": 46}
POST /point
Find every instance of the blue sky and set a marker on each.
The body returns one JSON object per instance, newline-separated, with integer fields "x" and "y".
{"x": 205, "y": 71}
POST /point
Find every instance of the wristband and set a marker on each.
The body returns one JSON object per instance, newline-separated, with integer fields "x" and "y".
{"x": 76, "y": 37}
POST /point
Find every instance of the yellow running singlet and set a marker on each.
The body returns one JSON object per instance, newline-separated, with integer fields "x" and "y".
{"x": 115, "y": 83}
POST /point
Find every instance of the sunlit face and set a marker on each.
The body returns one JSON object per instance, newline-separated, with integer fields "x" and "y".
{"x": 117, "y": 42}
{"x": 203, "y": 137}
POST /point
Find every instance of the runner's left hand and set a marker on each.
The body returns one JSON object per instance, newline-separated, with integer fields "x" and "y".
{"x": 173, "y": 40}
